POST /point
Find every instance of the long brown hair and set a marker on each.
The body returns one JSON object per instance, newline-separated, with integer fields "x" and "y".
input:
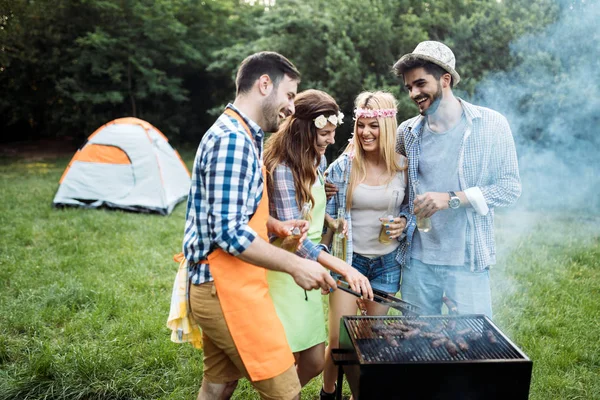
{"x": 294, "y": 144}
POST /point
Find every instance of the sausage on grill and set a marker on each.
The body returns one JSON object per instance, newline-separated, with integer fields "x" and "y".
{"x": 461, "y": 343}
{"x": 400, "y": 326}
{"x": 412, "y": 334}
{"x": 432, "y": 335}
{"x": 418, "y": 324}
{"x": 463, "y": 332}
{"x": 390, "y": 339}
{"x": 491, "y": 337}
{"x": 438, "y": 342}
{"x": 474, "y": 336}
{"x": 451, "y": 347}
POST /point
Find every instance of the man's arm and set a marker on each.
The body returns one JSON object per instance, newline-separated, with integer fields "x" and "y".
{"x": 306, "y": 273}
{"x": 227, "y": 212}
{"x": 505, "y": 188}
{"x": 503, "y": 191}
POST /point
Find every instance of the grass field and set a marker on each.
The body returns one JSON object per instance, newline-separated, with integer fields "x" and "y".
{"x": 84, "y": 298}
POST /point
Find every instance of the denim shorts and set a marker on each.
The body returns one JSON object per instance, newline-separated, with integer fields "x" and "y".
{"x": 383, "y": 272}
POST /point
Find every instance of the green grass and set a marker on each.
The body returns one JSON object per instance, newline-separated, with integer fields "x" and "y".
{"x": 84, "y": 297}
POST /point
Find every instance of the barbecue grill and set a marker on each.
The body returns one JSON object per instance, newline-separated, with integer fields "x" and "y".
{"x": 380, "y": 364}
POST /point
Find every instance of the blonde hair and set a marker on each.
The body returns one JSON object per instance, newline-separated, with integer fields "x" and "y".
{"x": 387, "y": 141}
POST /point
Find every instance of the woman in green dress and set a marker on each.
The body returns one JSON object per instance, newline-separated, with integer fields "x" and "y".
{"x": 295, "y": 160}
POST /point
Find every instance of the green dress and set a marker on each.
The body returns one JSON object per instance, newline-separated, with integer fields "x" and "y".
{"x": 301, "y": 312}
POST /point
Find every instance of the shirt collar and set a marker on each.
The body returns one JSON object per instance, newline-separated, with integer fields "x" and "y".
{"x": 256, "y": 130}
{"x": 471, "y": 113}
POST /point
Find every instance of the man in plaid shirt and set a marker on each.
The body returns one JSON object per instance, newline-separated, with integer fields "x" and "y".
{"x": 462, "y": 164}
{"x": 226, "y": 238}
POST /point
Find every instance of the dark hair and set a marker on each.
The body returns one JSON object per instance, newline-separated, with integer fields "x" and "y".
{"x": 266, "y": 62}
{"x": 294, "y": 143}
{"x": 412, "y": 62}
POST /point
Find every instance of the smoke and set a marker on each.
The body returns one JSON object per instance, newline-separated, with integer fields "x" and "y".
{"x": 552, "y": 102}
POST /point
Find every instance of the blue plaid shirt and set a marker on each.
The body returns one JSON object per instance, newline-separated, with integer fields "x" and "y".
{"x": 283, "y": 205}
{"x": 227, "y": 186}
{"x": 488, "y": 174}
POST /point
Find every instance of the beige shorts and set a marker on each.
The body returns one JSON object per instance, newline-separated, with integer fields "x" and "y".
{"x": 222, "y": 362}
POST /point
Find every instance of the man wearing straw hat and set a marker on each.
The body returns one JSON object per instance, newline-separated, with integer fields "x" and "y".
{"x": 462, "y": 164}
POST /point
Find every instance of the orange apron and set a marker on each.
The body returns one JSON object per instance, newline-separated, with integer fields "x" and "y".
{"x": 247, "y": 306}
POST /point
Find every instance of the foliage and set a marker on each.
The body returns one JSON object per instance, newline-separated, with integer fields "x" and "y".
{"x": 346, "y": 46}
{"x": 74, "y": 65}
{"x": 66, "y": 67}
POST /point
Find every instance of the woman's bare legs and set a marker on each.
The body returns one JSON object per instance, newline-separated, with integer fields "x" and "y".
{"x": 310, "y": 363}
{"x": 340, "y": 303}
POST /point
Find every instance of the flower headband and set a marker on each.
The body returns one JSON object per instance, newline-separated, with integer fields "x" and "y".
{"x": 322, "y": 120}
{"x": 379, "y": 113}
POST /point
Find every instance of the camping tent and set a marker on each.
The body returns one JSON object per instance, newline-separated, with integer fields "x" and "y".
{"x": 127, "y": 164}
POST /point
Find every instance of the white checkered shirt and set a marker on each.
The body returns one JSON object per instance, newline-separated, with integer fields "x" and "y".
{"x": 488, "y": 167}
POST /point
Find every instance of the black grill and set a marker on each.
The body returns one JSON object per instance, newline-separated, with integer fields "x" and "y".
{"x": 381, "y": 362}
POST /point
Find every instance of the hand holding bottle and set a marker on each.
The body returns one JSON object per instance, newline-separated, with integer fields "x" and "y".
{"x": 423, "y": 223}
{"x": 393, "y": 227}
{"x": 338, "y": 246}
{"x": 298, "y": 231}
{"x": 388, "y": 218}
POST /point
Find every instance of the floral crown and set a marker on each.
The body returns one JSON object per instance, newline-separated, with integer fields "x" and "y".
{"x": 378, "y": 113}
{"x": 322, "y": 120}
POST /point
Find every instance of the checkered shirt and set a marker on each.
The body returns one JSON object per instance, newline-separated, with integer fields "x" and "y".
{"x": 487, "y": 161}
{"x": 283, "y": 205}
{"x": 227, "y": 186}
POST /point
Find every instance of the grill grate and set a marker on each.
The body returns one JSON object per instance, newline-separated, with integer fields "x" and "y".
{"x": 373, "y": 348}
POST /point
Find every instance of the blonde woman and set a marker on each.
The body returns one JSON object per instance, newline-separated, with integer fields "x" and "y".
{"x": 366, "y": 175}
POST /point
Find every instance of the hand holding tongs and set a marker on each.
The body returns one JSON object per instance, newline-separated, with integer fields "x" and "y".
{"x": 384, "y": 299}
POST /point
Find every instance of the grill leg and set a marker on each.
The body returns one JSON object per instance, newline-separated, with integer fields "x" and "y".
{"x": 340, "y": 382}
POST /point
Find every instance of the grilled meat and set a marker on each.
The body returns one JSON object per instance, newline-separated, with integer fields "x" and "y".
{"x": 474, "y": 336}
{"x": 464, "y": 332}
{"x": 412, "y": 334}
{"x": 461, "y": 343}
{"x": 451, "y": 347}
{"x": 491, "y": 337}
{"x": 432, "y": 335}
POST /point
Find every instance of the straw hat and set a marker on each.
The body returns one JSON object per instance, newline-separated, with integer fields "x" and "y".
{"x": 437, "y": 53}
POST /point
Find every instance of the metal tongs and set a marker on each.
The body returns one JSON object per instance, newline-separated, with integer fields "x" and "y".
{"x": 384, "y": 299}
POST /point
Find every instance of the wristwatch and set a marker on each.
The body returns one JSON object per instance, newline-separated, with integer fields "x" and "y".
{"x": 454, "y": 201}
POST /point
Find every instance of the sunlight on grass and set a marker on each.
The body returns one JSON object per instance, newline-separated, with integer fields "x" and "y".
{"x": 85, "y": 296}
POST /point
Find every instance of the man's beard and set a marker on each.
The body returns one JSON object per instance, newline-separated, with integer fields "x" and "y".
{"x": 271, "y": 113}
{"x": 435, "y": 102}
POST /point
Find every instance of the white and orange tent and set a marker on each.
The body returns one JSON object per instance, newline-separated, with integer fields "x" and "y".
{"x": 127, "y": 164}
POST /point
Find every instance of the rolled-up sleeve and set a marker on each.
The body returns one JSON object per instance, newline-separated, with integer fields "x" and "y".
{"x": 229, "y": 169}
{"x": 283, "y": 199}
